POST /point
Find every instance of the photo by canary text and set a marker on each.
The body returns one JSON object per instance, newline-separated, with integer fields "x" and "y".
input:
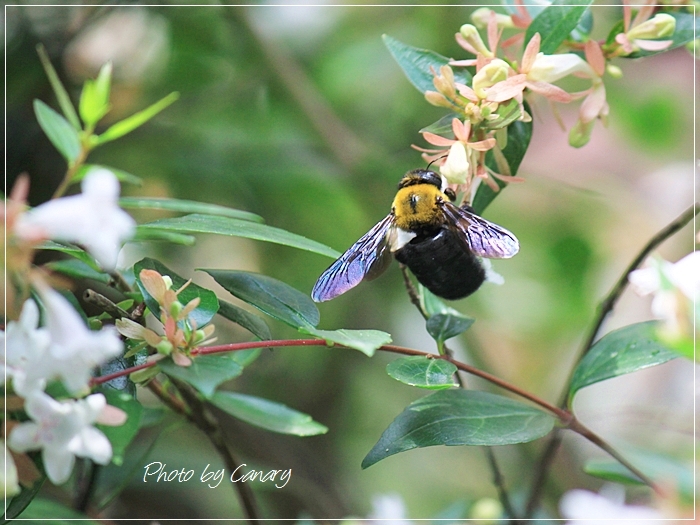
{"x": 157, "y": 472}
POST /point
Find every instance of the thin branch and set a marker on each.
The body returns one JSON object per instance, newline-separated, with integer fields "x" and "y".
{"x": 411, "y": 290}
{"x": 104, "y": 304}
{"x": 202, "y": 417}
{"x": 190, "y": 406}
{"x": 604, "y": 309}
{"x": 499, "y": 482}
{"x": 609, "y": 302}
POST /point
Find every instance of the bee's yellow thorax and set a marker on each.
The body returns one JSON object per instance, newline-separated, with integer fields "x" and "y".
{"x": 416, "y": 206}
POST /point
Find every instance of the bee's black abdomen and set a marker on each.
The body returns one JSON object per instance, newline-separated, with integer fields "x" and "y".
{"x": 443, "y": 264}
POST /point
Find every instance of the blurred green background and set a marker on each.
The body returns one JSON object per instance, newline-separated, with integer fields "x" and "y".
{"x": 300, "y": 114}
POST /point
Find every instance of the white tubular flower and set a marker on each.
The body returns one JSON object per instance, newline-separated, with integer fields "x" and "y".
{"x": 62, "y": 431}
{"x": 75, "y": 349}
{"x": 550, "y": 68}
{"x": 492, "y": 73}
{"x": 589, "y": 508}
{"x": 24, "y": 346}
{"x": 9, "y": 481}
{"x": 92, "y": 219}
{"x": 456, "y": 167}
{"x": 675, "y": 286}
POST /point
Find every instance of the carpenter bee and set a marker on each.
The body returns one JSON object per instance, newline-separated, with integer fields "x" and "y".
{"x": 440, "y": 242}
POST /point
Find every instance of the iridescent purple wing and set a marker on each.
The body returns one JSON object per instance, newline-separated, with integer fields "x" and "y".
{"x": 482, "y": 237}
{"x": 367, "y": 257}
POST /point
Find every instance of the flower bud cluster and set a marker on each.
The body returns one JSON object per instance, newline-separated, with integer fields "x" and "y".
{"x": 180, "y": 334}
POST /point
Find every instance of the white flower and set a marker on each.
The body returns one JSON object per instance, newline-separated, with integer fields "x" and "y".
{"x": 589, "y": 508}
{"x": 550, "y": 68}
{"x": 92, "y": 219}
{"x": 62, "y": 430}
{"x": 456, "y": 167}
{"x": 388, "y": 508}
{"x": 9, "y": 484}
{"x": 75, "y": 349}
{"x": 674, "y": 285}
{"x": 23, "y": 346}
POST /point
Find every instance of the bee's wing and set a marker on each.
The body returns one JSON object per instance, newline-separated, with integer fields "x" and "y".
{"x": 483, "y": 238}
{"x": 362, "y": 258}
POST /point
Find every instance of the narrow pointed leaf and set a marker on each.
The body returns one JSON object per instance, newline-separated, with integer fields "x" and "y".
{"x": 267, "y": 414}
{"x": 366, "y": 341}
{"x": 206, "y": 371}
{"x": 556, "y": 23}
{"x": 144, "y": 234}
{"x": 134, "y": 121}
{"x": 275, "y": 298}
{"x": 251, "y": 322}
{"x": 186, "y": 206}
{"x": 197, "y": 223}
{"x": 78, "y": 270}
{"x": 423, "y": 372}
{"x": 208, "y": 302}
{"x": 61, "y": 134}
{"x": 419, "y": 64}
{"x": 623, "y": 351}
{"x": 71, "y": 250}
{"x": 460, "y": 417}
{"x": 61, "y": 94}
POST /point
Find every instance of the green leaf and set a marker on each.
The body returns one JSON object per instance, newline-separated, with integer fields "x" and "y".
{"x": 61, "y": 134}
{"x": 442, "y": 327}
{"x": 61, "y": 94}
{"x": 433, "y": 305}
{"x": 52, "y": 513}
{"x": 120, "y": 436}
{"x": 267, "y": 414}
{"x": 460, "y": 417}
{"x": 71, "y": 250}
{"x": 556, "y": 23}
{"x": 121, "y": 175}
{"x": 251, "y": 322}
{"x": 208, "y": 302}
{"x": 442, "y": 126}
{"x": 94, "y": 99}
{"x": 623, "y": 351}
{"x": 275, "y": 298}
{"x": 423, "y": 372}
{"x": 134, "y": 121}
{"x": 366, "y": 341}
{"x": 152, "y": 203}
{"x": 419, "y": 64}
{"x": 20, "y": 502}
{"x": 148, "y": 234}
{"x": 686, "y": 26}
{"x": 658, "y": 467}
{"x": 519, "y": 134}
{"x": 206, "y": 371}
{"x": 78, "y": 270}
{"x": 197, "y": 223}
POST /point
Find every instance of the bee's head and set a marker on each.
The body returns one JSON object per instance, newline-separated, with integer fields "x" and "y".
{"x": 421, "y": 176}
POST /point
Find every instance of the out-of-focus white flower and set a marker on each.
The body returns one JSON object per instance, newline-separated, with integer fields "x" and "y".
{"x": 456, "y": 167}
{"x": 589, "y": 508}
{"x": 550, "y": 68}
{"x": 62, "y": 431}
{"x": 389, "y": 507}
{"x": 92, "y": 219}
{"x": 675, "y": 286}
{"x": 24, "y": 345}
{"x": 9, "y": 484}
{"x": 75, "y": 350}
